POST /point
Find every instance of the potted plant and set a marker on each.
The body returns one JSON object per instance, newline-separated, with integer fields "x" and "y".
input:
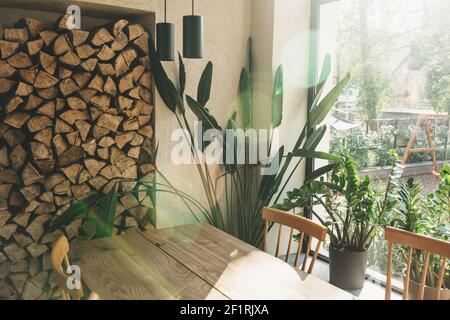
{"x": 354, "y": 212}
{"x": 430, "y": 216}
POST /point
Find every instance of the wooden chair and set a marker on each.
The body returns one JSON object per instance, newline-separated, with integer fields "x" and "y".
{"x": 303, "y": 225}
{"x": 60, "y": 262}
{"x": 419, "y": 242}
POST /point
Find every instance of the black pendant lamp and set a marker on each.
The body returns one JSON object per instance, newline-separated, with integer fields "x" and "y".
{"x": 193, "y": 35}
{"x": 165, "y": 38}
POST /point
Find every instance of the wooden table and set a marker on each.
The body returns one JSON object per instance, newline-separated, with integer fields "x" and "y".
{"x": 191, "y": 262}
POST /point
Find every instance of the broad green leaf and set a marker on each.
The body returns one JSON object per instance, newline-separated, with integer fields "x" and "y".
{"x": 181, "y": 76}
{"x": 277, "y": 99}
{"x": 326, "y": 69}
{"x": 319, "y": 172}
{"x": 314, "y": 139}
{"x": 319, "y": 113}
{"x": 165, "y": 86}
{"x": 250, "y": 57}
{"x": 106, "y": 214}
{"x": 202, "y": 114}
{"x": 316, "y": 155}
{"x": 77, "y": 209}
{"x": 204, "y": 86}
{"x": 245, "y": 105}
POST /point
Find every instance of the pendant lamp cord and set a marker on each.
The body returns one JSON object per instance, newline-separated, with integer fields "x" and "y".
{"x": 193, "y": 7}
{"x": 165, "y": 10}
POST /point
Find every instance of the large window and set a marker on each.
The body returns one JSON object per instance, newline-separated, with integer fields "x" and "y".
{"x": 398, "y": 55}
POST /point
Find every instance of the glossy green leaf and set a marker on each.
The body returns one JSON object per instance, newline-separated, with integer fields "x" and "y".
{"x": 319, "y": 172}
{"x": 245, "y": 104}
{"x": 204, "y": 86}
{"x": 202, "y": 114}
{"x": 106, "y": 214}
{"x": 315, "y": 155}
{"x": 181, "y": 76}
{"x": 277, "y": 98}
{"x": 314, "y": 139}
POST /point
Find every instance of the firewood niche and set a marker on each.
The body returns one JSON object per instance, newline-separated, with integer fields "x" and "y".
{"x": 76, "y": 118}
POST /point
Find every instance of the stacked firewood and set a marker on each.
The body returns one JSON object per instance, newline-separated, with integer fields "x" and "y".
{"x": 76, "y": 119}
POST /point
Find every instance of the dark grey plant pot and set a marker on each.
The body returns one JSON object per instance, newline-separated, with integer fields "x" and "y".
{"x": 348, "y": 269}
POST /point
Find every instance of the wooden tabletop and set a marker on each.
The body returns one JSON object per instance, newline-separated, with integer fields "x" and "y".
{"x": 191, "y": 262}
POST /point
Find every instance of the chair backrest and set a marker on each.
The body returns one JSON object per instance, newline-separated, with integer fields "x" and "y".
{"x": 303, "y": 225}
{"x": 60, "y": 262}
{"x": 416, "y": 242}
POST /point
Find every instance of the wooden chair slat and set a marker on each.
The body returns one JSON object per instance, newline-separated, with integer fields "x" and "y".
{"x": 408, "y": 274}
{"x": 423, "y": 277}
{"x": 389, "y": 273}
{"x": 437, "y": 295}
{"x": 304, "y": 226}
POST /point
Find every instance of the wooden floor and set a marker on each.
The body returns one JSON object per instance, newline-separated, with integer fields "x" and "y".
{"x": 191, "y": 262}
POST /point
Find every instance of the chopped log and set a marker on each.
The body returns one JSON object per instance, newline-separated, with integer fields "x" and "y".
{"x": 62, "y": 189}
{"x": 95, "y": 113}
{"x": 6, "y": 70}
{"x": 110, "y": 87}
{"x": 15, "y": 253}
{"x": 48, "y": 37}
{"x": 70, "y": 59}
{"x": 19, "y": 35}
{"x": 8, "y": 48}
{"x": 126, "y": 83}
{"x": 106, "y": 69}
{"x": 65, "y": 22}
{"x": 64, "y": 73}
{"x": 90, "y": 64}
{"x": 134, "y": 152}
{"x": 85, "y": 51}
{"x": 124, "y": 103}
{"x": 4, "y": 159}
{"x": 44, "y": 136}
{"x": 47, "y": 94}
{"x": 17, "y": 119}
{"x": 109, "y": 121}
{"x": 13, "y": 137}
{"x": 119, "y": 26}
{"x": 46, "y": 61}
{"x": 145, "y": 61}
{"x": 135, "y": 31}
{"x": 22, "y": 219}
{"x": 28, "y": 75}
{"x": 40, "y": 151}
{"x": 120, "y": 42}
{"x": 37, "y": 123}
{"x": 146, "y": 80}
{"x": 143, "y": 120}
{"x": 48, "y": 109}
{"x": 82, "y": 78}
{"x": 98, "y": 182}
{"x": 141, "y": 107}
{"x": 24, "y": 89}
{"x": 146, "y": 95}
{"x": 103, "y": 153}
{"x": 72, "y": 172}
{"x": 22, "y": 239}
{"x": 74, "y": 138}
{"x": 36, "y": 227}
{"x": 131, "y": 124}
{"x": 102, "y": 101}
{"x": 67, "y": 87}
{"x": 20, "y": 60}
{"x": 146, "y": 168}
{"x": 5, "y": 85}
{"x": 94, "y": 166}
{"x": 30, "y": 175}
{"x": 78, "y": 37}
{"x": 137, "y": 72}
{"x": 110, "y": 172}
{"x": 76, "y": 103}
{"x": 34, "y": 46}
{"x": 134, "y": 93}
{"x": 83, "y": 128}
{"x": 81, "y": 191}
{"x": 87, "y": 94}
{"x": 71, "y": 155}
{"x": 33, "y": 102}
{"x": 13, "y": 104}
{"x": 71, "y": 116}
{"x": 97, "y": 83}
{"x": 35, "y": 251}
{"x": 59, "y": 144}
{"x": 33, "y": 26}
{"x": 84, "y": 176}
{"x": 90, "y": 147}
{"x": 61, "y": 45}
{"x": 129, "y": 201}
{"x": 142, "y": 43}
{"x": 101, "y": 36}
{"x": 4, "y": 214}
{"x": 16, "y": 199}
{"x": 60, "y": 103}
{"x": 31, "y": 192}
{"x": 106, "y": 53}
{"x": 99, "y": 132}
{"x": 46, "y": 166}
{"x": 106, "y": 142}
{"x": 53, "y": 180}
{"x": 123, "y": 138}
{"x": 47, "y": 197}
{"x": 62, "y": 127}
{"x": 45, "y": 80}
{"x": 120, "y": 66}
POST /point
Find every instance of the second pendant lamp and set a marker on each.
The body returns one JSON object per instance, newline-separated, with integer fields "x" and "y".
{"x": 193, "y": 35}
{"x": 165, "y": 37}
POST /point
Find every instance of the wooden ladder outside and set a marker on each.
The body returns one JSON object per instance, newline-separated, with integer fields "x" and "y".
{"x": 425, "y": 121}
